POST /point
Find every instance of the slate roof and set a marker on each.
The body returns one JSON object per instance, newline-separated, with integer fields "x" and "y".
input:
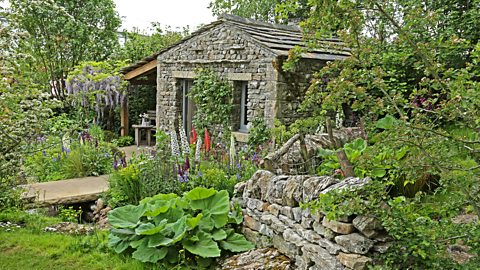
{"x": 277, "y": 38}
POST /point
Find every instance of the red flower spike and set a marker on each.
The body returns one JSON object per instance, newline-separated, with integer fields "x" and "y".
{"x": 193, "y": 136}
{"x": 207, "y": 141}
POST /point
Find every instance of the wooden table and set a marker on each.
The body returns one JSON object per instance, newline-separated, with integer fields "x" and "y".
{"x": 138, "y": 133}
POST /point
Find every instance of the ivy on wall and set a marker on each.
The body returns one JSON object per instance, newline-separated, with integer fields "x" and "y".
{"x": 212, "y": 96}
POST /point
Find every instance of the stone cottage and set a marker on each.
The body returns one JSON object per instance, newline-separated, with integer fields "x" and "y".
{"x": 248, "y": 53}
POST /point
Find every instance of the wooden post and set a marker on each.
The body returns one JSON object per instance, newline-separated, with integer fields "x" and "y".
{"x": 124, "y": 117}
{"x": 345, "y": 164}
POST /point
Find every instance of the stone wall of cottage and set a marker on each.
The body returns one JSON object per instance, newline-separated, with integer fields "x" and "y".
{"x": 233, "y": 55}
{"x": 273, "y": 218}
{"x": 292, "y": 86}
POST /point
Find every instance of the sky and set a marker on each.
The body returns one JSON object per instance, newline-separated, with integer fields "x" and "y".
{"x": 174, "y": 13}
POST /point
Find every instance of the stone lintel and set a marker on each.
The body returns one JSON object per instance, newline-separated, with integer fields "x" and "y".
{"x": 240, "y": 136}
{"x": 239, "y": 76}
{"x": 183, "y": 74}
{"x": 230, "y": 76}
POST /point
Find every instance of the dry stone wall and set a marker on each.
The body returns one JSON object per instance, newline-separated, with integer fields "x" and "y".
{"x": 273, "y": 218}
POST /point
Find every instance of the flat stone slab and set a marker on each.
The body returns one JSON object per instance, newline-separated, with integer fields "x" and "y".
{"x": 69, "y": 191}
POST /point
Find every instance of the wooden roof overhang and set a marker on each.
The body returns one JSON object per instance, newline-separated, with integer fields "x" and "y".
{"x": 142, "y": 73}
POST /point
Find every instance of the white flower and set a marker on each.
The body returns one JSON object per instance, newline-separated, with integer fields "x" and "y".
{"x": 174, "y": 144}
{"x": 198, "y": 149}
{"x": 184, "y": 141}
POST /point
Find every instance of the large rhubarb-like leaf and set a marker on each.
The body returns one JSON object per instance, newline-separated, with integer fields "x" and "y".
{"x": 200, "y": 193}
{"x": 149, "y": 254}
{"x": 206, "y": 247}
{"x": 126, "y": 217}
{"x": 236, "y": 243}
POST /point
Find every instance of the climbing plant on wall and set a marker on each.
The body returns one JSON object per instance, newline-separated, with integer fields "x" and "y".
{"x": 213, "y": 98}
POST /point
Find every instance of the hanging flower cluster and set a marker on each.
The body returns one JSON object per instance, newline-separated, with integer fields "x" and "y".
{"x": 96, "y": 86}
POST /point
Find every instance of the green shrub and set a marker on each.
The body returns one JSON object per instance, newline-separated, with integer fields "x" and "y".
{"x": 259, "y": 133}
{"x": 124, "y": 186}
{"x": 70, "y": 214}
{"x": 61, "y": 159}
{"x": 9, "y": 193}
{"x": 172, "y": 230}
{"x": 123, "y": 141}
{"x": 215, "y": 178}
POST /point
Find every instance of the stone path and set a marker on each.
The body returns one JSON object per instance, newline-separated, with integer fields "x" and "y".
{"x": 70, "y": 191}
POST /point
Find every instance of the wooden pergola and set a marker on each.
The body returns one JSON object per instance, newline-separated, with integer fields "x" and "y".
{"x": 143, "y": 72}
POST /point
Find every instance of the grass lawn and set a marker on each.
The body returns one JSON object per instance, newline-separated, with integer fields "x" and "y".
{"x": 31, "y": 248}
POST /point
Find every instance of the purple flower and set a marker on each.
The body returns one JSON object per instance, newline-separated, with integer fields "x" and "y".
{"x": 67, "y": 151}
{"x": 255, "y": 157}
{"x": 186, "y": 166}
{"x": 200, "y": 174}
{"x": 239, "y": 166}
{"x": 44, "y": 153}
{"x": 115, "y": 164}
{"x": 54, "y": 159}
{"x": 238, "y": 177}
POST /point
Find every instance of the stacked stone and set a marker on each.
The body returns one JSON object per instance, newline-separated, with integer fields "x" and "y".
{"x": 100, "y": 214}
{"x": 273, "y": 218}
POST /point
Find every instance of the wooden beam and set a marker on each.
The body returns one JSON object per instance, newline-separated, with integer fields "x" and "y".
{"x": 143, "y": 82}
{"x": 124, "y": 118}
{"x": 141, "y": 70}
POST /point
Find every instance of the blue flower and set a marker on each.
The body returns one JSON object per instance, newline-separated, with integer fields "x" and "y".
{"x": 44, "y": 153}
{"x": 54, "y": 159}
{"x": 200, "y": 174}
{"x": 238, "y": 177}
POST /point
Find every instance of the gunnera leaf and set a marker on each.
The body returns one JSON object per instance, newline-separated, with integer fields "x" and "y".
{"x": 217, "y": 204}
{"x": 200, "y": 193}
{"x": 117, "y": 244}
{"x": 126, "y": 216}
{"x": 206, "y": 248}
{"x": 236, "y": 243}
{"x": 149, "y": 254}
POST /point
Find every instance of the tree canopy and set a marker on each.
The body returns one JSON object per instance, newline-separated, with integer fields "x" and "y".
{"x": 263, "y": 10}
{"x": 412, "y": 82}
{"x": 63, "y": 33}
{"x": 139, "y": 44}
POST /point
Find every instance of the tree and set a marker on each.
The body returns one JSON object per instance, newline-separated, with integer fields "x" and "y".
{"x": 23, "y": 109}
{"x": 64, "y": 33}
{"x": 413, "y": 77}
{"x": 264, "y": 10}
{"x": 139, "y": 45}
